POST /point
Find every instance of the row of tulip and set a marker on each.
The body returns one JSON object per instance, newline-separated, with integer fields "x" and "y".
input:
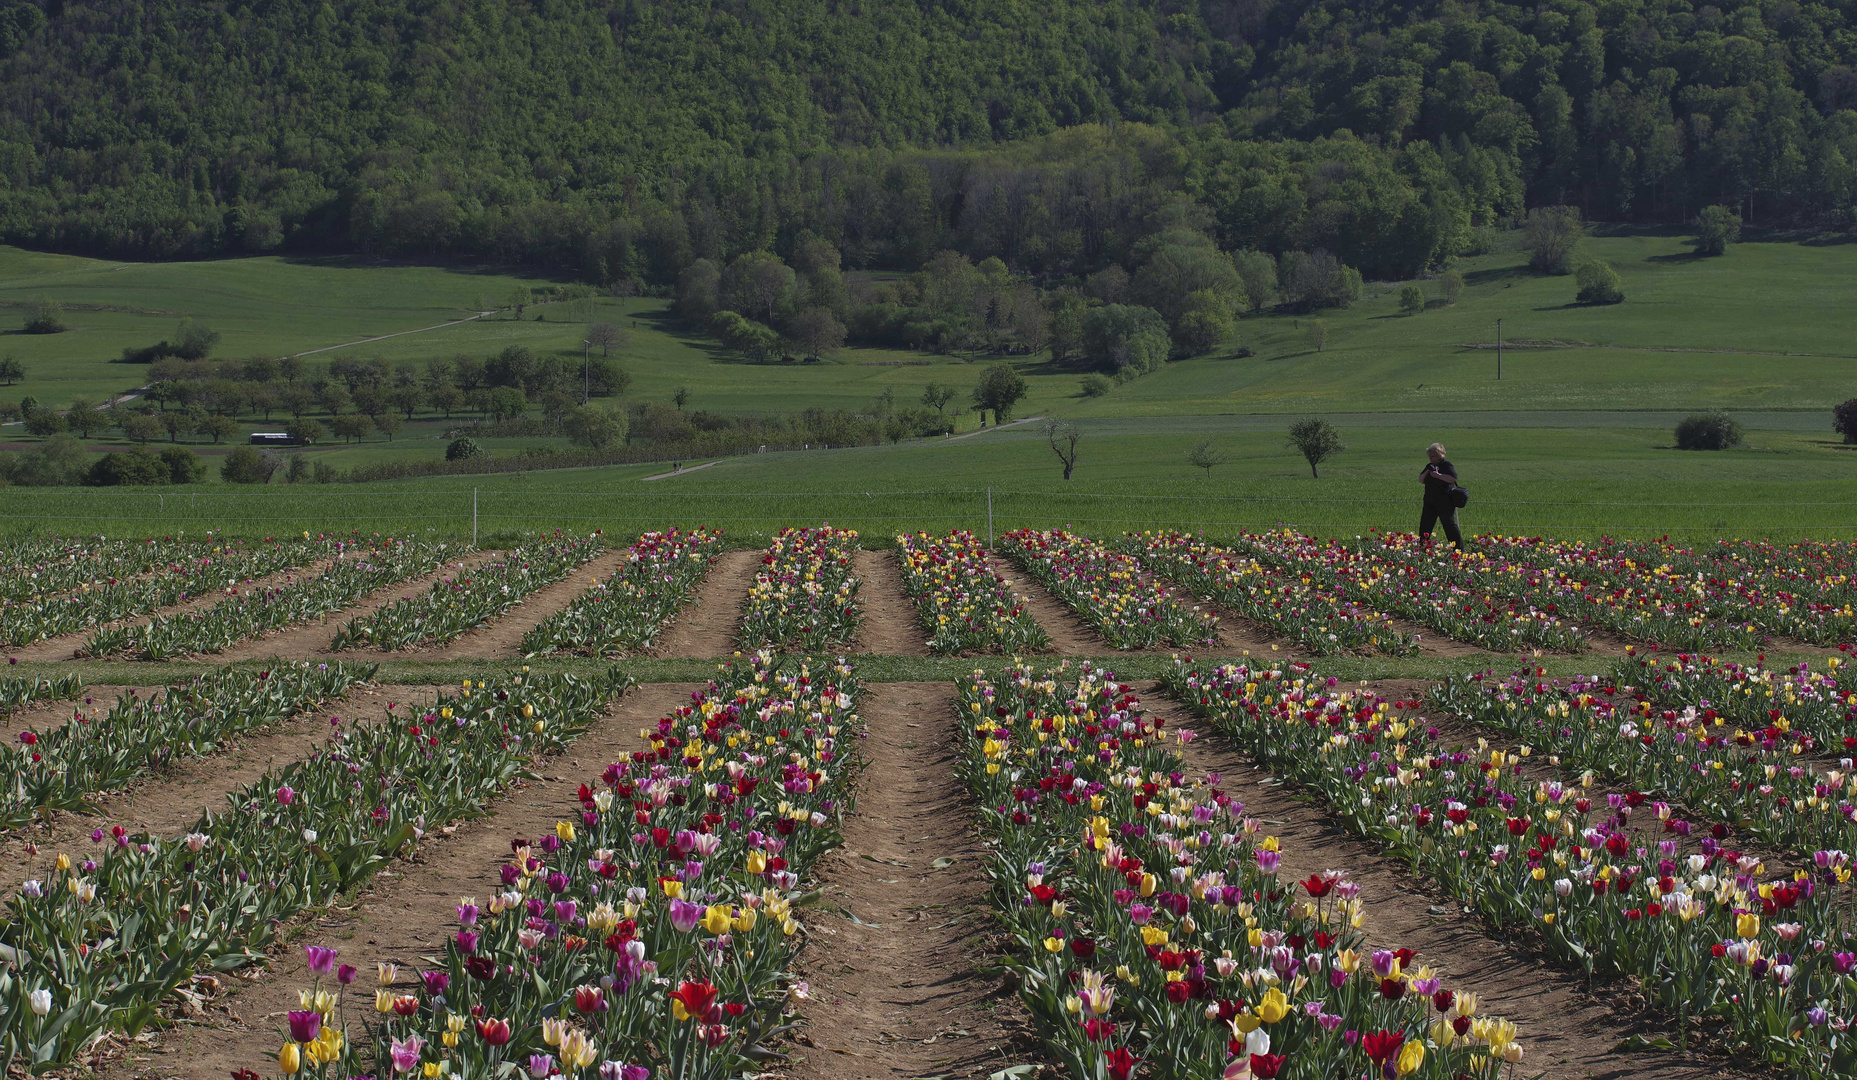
{"x": 1153, "y": 930}
{"x": 193, "y": 572}
{"x": 965, "y": 604}
{"x": 647, "y": 935}
{"x": 1320, "y": 616}
{"x": 625, "y": 613}
{"x": 16, "y": 694}
{"x": 102, "y": 938}
{"x": 1817, "y": 702}
{"x": 1591, "y": 586}
{"x": 1758, "y": 783}
{"x": 66, "y": 766}
{"x": 356, "y": 572}
{"x": 805, "y": 594}
{"x": 1130, "y": 607}
{"x": 34, "y": 568}
{"x": 1729, "y": 594}
{"x": 1419, "y": 589}
{"x": 1766, "y": 962}
{"x": 455, "y": 605}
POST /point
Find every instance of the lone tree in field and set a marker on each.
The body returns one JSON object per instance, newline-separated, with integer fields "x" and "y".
{"x": 1708, "y": 431}
{"x": 1844, "y": 420}
{"x": 1451, "y": 284}
{"x": 11, "y": 370}
{"x": 1599, "y": 284}
{"x": 1204, "y": 455}
{"x": 1412, "y": 299}
{"x": 44, "y": 316}
{"x": 1317, "y": 332}
{"x": 817, "y": 331}
{"x": 606, "y": 337}
{"x": 1716, "y": 228}
{"x": 936, "y": 396}
{"x": 1552, "y": 235}
{"x": 1317, "y": 439}
{"x": 1001, "y": 387}
{"x": 1063, "y": 437}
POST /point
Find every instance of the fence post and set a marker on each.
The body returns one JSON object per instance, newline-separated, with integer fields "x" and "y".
{"x": 989, "y": 519}
{"x": 473, "y": 517}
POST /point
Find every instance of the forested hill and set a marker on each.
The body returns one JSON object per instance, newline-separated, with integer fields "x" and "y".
{"x": 623, "y": 139}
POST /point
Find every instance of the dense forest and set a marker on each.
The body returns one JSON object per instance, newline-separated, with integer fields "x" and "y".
{"x": 623, "y": 141}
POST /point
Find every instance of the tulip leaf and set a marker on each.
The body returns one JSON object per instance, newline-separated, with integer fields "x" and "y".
{"x": 1015, "y": 1072}
{"x": 1639, "y": 1042}
{"x": 944, "y": 862}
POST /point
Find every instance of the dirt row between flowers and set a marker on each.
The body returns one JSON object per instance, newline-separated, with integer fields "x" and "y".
{"x": 708, "y": 624}
{"x": 501, "y": 637}
{"x": 168, "y": 801}
{"x": 1570, "y": 1032}
{"x": 405, "y": 915}
{"x": 64, "y": 647}
{"x": 889, "y": 626}
{"x": 42, "y": 716}
{"x": 894, "y": 948}
{"x": 310, "y": 641}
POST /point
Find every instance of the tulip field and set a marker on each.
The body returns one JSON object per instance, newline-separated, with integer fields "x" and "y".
{"x": 594, "y": 806}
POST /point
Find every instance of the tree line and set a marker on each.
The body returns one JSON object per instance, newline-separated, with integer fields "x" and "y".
{"x": 626, "y": 141}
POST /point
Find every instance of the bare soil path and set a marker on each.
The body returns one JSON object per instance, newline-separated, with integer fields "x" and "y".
{"x": 65, "y": 647}
{"x": 707, "y": 625}
{"x": 889, "y": 626}
{"x": 169, "y": 801}
{"x": 407, "y": 912}
{"x": 893, "y": 949}
{"x": 310, "y": 641}
{"x": 1070, "y": 635}
{"x": 501, "y": 637}
{"x": 1568, "y": 1031}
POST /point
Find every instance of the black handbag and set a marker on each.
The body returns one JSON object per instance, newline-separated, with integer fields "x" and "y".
{"x": 1460, "y": 496}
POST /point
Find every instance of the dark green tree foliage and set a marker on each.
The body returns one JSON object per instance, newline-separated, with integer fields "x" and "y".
{"x": 1599, "y": 284}
{"x": 1716, "y": 228}
{"x": 1000, "y": 389}
{"x": 625, "y": 140}
{"x": 1708, "y": 431}
{"x": 1844, "y": 420}
{"x": 138, "y": 467}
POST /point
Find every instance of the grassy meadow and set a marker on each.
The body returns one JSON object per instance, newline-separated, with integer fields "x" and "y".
{"x": 1575, "y": 438}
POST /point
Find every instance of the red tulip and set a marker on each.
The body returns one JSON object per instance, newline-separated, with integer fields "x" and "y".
{"x": 1318, "y": 888}
{"x": 494, "y": 1032}
{"x": 1382, "y": 1045}
{"x": 696, "y": 998}
{"x": 1266, "y": 1066}
{"x": 1121, "y": 1063}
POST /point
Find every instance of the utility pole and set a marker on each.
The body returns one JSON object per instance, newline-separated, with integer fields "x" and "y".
{"x": 1498, "y": 350}
{"x": 586, "y": 368}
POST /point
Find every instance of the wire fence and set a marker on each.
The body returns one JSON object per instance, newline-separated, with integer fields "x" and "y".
{"x": 494, "y": 512}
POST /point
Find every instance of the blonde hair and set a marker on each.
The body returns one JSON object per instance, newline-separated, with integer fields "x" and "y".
{"x": 1436, "y": 447}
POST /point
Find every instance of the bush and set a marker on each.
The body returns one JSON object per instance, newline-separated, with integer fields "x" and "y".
{"x": 245, "y": 465}
{"x": 1412, "y": 299}
{"x": 140, "y": 467}
{"x": 1716, "y": 228}
{"x": 1096, "y": 386}
{"x": 184, "y": 466}
{"x": 1599, "y": 284}
{"x": 1708, "y": 431}
{"x": 462, "y": 449}
{"x": 44, "y": 316}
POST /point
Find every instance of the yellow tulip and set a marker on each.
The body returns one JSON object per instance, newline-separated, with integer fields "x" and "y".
{"x": 757, "y": 862}
{"x": 1274, "y": 1006}
{"x": 565, "y": 830}
{"x": 1747, "y": 924}
{"x": 1411, "y": 1056}
{"x": 716, "y": 919}
{"x": 290, "y": 1059}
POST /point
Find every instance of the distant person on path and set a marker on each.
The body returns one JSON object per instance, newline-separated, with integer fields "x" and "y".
{"x": 1439, "y": 477}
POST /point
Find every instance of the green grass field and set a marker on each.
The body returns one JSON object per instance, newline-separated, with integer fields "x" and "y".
{"x": 1573, "y": 439}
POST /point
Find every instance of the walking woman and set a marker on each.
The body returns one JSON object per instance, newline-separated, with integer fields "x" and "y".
{"x": 1439, "y": 477}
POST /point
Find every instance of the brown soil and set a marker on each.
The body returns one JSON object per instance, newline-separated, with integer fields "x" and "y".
{"x": 1070, "y": 635}
{"x": 1436, "y": 642}
{"x": 170, "y": 801}
{"x": 310, "y": 641}
{"x": 894, "y": 946}
{"x": 707, "y": 625}
{"x": 408, "y": 911}
{"x": 1569, "y": 1032}
{"x": 889, "y": 626}
{"x": 64, "y": 648}
{"x": 42, "y": 716}
{"x": 502, "y": 636}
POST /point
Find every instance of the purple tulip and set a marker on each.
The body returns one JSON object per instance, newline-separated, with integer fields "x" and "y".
{"x": 345, "y": 974}
{"x": 436, "y": 982}
{"x": 286, "y": 794}
{"x": 467, "y": 941}
{"x": 321, "y": 960}
{"x": 685, "y": 915}
{"x": 304, "y": 1025}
